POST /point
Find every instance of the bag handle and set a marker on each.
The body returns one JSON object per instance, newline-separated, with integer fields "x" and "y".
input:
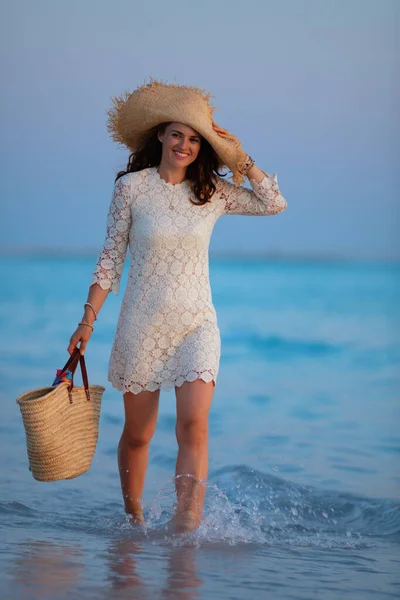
{"x": 72, "y": 364}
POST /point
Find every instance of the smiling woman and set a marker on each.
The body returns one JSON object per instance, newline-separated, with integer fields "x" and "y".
{"x": 181, "y": 147}
{"x": 181, "y": 154}
{"x": 164, "y": 207}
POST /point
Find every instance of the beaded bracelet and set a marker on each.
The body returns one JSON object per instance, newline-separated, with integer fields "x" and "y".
{"x": 95, "y": 313}
{"x": 246, "y": 165}
{"x": 87, "y": 325}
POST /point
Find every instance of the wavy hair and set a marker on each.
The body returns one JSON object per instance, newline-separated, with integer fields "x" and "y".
{"x": 200, "y": 172}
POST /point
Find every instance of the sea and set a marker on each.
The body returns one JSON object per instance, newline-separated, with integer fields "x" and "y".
{"x": 303, "y": 495}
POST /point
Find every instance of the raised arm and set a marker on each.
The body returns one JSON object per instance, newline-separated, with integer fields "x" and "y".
{"x": 263, "y": 199}
{"x": 110, "y": 264}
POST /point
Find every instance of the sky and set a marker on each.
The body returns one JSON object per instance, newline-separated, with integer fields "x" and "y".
{"x": 310, "y": 87}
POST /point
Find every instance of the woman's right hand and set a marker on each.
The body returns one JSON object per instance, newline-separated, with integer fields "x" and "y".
{"x": 81, "y": 334}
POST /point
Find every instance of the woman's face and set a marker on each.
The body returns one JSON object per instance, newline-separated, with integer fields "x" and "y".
{"x": 181, "y": 145}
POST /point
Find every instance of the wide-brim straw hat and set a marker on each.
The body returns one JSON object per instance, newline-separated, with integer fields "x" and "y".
{"x": 135, "y": 113}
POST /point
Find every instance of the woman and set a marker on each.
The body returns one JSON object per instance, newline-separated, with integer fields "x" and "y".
{"x": 164, "y": 206}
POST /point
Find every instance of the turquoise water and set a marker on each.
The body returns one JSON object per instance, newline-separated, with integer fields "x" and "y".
{"x": 303, "y": 499}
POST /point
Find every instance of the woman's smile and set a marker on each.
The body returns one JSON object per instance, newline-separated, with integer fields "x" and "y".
{"x": 180, "y": 155}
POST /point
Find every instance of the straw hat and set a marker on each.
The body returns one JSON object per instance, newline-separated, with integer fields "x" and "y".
{"x": 153, "y": 103}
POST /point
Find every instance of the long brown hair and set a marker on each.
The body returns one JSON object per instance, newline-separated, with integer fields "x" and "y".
{"x": 199, "y": 173}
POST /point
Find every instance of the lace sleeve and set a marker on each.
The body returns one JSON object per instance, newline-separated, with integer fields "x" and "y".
{"x": 264, "y": 199}
{"x": 110, "y": 264}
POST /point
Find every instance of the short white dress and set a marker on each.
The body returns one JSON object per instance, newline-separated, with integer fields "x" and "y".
{"x": 167, "y": 331}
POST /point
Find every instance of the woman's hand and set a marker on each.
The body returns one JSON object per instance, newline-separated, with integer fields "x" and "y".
{"x": 81, "y": 334}
{"x": 224, "y": 133}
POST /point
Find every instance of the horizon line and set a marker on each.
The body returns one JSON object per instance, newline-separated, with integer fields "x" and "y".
{"x": 60, "y": 251}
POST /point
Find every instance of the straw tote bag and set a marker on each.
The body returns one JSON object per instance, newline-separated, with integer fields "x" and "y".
{"x": 61, "y": 424}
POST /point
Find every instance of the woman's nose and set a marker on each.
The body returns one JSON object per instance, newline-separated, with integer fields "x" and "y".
{"x": 184, "y": 146}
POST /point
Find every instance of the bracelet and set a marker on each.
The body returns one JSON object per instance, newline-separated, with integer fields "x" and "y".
{"x": 95, "y": 313}
{"x": 246, "y": 165}
{"x": 87, "y": 325}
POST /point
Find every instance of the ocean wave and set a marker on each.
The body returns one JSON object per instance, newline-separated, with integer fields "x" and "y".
{"x": 243, "y": 505}
{"x": 276, "y": 347}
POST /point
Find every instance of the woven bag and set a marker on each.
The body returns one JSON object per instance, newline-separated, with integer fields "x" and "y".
{"x": 61, "y": 425}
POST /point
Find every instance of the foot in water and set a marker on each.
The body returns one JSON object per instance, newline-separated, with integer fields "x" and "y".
{"x": 183, "y": 522}
{"x": 137, "y": 519}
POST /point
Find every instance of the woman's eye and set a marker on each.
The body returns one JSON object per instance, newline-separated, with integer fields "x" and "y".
{"x": 196, "y": 140}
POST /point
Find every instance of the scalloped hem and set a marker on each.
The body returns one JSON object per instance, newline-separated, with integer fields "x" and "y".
{"x": 106, "y": 284}
{"x": 152, "y": 386}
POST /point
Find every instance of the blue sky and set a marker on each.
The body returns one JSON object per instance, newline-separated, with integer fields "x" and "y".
{"x": 311, "y": 87}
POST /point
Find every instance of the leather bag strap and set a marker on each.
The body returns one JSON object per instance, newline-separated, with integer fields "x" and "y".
{"x": 71, "y": 364}
{"x": 84, "y": 375}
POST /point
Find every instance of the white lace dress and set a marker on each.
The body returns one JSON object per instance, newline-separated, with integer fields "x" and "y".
{"x": 167, "y": 330}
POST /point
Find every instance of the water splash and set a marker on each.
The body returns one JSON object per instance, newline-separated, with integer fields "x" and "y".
{"x": 242, "y": 506}
{"x": 247, "y": 506}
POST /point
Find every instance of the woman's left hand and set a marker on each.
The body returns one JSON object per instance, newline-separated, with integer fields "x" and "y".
{"x": 224, "y": 133}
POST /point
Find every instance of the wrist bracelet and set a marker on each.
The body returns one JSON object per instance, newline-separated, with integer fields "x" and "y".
{"x": 95, "y": 313}
{"x": 87, "y": 325}
{"x": 246, "y": 165}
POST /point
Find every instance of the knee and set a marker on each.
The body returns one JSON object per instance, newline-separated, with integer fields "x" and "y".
{"x": 192, "y": 433}
{"x": 136, "y": 440}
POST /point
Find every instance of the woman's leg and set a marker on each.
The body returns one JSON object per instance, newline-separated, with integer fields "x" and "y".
{"x": 193, "y": 402}
{"x": 141, "y": 411}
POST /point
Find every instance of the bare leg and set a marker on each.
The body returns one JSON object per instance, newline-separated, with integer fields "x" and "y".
{"x": 141, "y": 411}
{"x": 193, "y": 402}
